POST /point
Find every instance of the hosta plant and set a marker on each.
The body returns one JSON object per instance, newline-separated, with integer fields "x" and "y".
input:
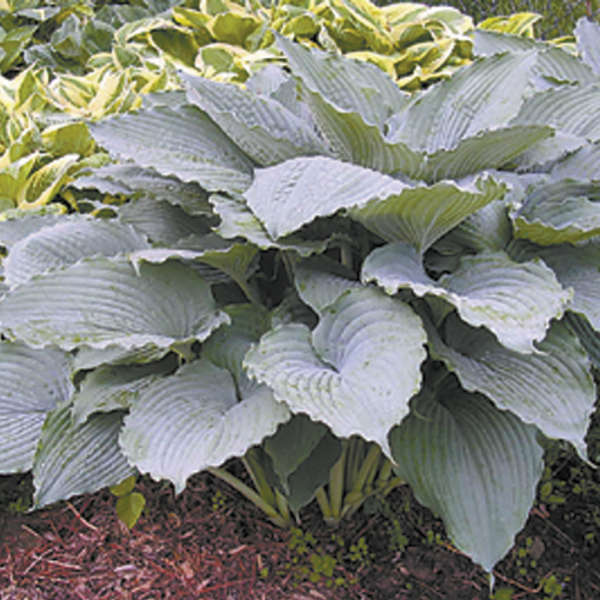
{"x": 347, "y": 286}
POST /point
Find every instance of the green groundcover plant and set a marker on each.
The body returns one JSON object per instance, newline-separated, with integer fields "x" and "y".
{"x": 348, "y": 286}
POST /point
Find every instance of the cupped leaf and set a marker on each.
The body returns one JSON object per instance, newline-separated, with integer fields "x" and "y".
{"x": 263, "y": 128}
{"x": 552, "y": 389}
{"x": 34, "y": 382}
{"x": 589, "y": 338}
{"x": 565, "y": 211}
{"x": 516, "y": 301}
{"x": 192, "y": 420}
{"x": 423, "y": 214}
{"x": 473, "y": 465}
{"x": 345, "y": 373}
{"x": 110, "y": 304}
{"x": 77, "y": 459}
{"x": 67, "y": 242}
{"x": 581, "y": 165}
{"x": 184, "y": 143}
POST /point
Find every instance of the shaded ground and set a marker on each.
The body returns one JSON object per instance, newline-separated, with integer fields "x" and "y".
{"x": 208, "y": 543}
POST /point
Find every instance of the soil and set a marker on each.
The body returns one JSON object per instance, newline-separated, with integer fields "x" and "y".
{"x": 209, "y": 543}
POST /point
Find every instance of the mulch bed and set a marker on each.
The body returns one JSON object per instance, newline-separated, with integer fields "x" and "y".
{"x": 208, "y": 543}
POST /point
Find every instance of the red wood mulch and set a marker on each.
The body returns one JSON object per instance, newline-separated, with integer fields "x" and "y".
{"x": 210, "y": 544}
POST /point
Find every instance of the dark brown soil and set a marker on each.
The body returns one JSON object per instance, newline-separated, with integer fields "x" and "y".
{"x": 209, "y": 543}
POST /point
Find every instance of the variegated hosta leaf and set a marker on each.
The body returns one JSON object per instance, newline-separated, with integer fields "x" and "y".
{"x": 33, "y": 383}
{"x": 576, "y": 267}
{"x": 192, "y": 420}
{"x": 184, "y": 143}
{"x": 109, "y": 304}
{"x": 320, "y": 282}
{"x": 345, "y": 373}
{"x": 552, "y": 389}
{"x": 302, "y": 454}
{"x": 131, "y": 180}
{"x": 473, "y": 100}
{"x": 77, "y": 459}
{"x": 516, "y": 301}
{"x": 237, "y": 220}
{"x": 66, "y": 242}
{"x": 566, "y": 211}
{"x": 473, "y": 465}
{"x": 289, "y": 195}
{"x": 587, "y": 33}
{"x": 109, "y": 388}
{"x": 162, "y": 222}
{"x": 262, "y": 127}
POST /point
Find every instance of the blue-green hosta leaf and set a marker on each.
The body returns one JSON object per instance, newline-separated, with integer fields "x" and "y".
{"x": 516, "y": 301}
{"x": 345, "y": 373}
{"x": 130, "y": 180}
{"x": 321, "y": 282}
{"x": 552, "y": 63}
{"x": 340, "y": 93}
{"x": 302, "y": 454}
{"x": 487, "y": 230}
{"x": 192, "y": 420}
{"x": 567, "y": 109}
{"x": 237, "y": 220}
{"x": 184, "y": 143}
{"x": 348, "y": 85}
{"x": 561, "y": 212}
{"x": 576, "y": 267}
{"x": 262, "y": 127}
{"x": 90, "y": 358}
{"x": 161, "y": 221}
{"x": 15, "y": 229}
{"x": 33, "y": 383}
{"x": 227, "y": 347}
{"x": 233, "y": 258}
{"x": 110, "y": 304}
{"x": 485, "y": 150}
{"x": 581, "y": 165}
{"x": 475, "y": 99}
{"x": 589, "y": 338}
{"x": 77, "y": 459}
{"x": 473, "y": 465}
{"x": 587, "y": 33}
{"x": 109, "y": 388}
{"x": 424, "y": 214}
{"x": 289, "y": 195}
{"x": 552, "y": 389}
{"x": 67, "y": 242}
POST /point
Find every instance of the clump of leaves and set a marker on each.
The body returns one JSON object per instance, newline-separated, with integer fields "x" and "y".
{"x": 347, "y": 293}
